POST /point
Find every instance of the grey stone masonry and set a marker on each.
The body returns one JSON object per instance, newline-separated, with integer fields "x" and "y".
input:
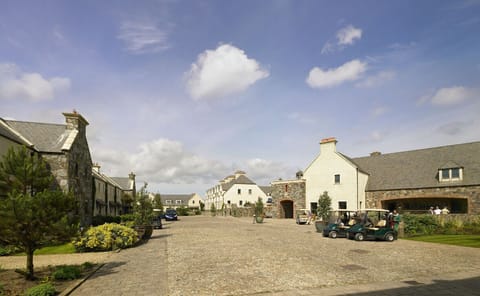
{"x": 287, "y": 191}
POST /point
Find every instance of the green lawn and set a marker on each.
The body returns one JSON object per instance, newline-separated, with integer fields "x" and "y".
{"x": 67, "y": 248}
{"x": 457, "y": 240}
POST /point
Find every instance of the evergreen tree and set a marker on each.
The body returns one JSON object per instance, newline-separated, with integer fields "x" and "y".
{"x": 34, "y": 214}
{"x": 324, "y": 206}
{"x": 157, "y": 202}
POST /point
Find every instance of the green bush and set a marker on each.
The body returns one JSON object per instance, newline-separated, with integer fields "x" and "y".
{"x": 45, "y": 289}
{"x": 66, "y": 272}
{"x": 8, "y": 250}
{"x": 183, "y": 211}
{"x": 106, "y": 237}
{"x": 427, "y": 224}
{"x": 127, "y": 218}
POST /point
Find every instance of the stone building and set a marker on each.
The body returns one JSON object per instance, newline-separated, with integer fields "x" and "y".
{"x": 129, "y": 191}
{"x": 107, "y": 194}
{"x": 65, "y": 149}
{"x": 410, "y": 181}
{"x": 287, "y": 197}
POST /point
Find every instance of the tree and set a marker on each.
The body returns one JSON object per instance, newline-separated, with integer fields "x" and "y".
{"x": 157, "y": 202}
{"x": 142, "y": 207}
{"x": 324, "y": 206}
{"x": 34, "y": 213}
{"x": 202, "y": 206}
{"x": 259, "y": 207}
{"x": 213, "y": 209}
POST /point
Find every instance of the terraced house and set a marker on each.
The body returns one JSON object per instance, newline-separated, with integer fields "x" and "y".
{"x": 174, "y": 201}
{"x": 64, "y": 147}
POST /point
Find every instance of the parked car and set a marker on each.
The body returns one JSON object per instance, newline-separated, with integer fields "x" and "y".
{"x": 170, "y": 215}
{"x": 339, "y": 222}
{"x": 302, "y": 216}
{"x": 372, "y": 226}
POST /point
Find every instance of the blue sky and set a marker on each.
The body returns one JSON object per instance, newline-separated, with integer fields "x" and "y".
{"x": 184, "y": 93}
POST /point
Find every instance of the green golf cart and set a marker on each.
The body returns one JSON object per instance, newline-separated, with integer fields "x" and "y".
{"x": 339, "y": 222}
{"x": 373, "y": 225}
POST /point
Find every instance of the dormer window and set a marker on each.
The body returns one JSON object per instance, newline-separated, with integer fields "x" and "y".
{"x": 450, "y": 174}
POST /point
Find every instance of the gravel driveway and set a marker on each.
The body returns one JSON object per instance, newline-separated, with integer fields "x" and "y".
{"x": 233, "y": 256}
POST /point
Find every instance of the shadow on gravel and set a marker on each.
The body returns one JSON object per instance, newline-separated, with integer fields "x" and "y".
{"x": 469, "y": 286}
{"x": 159, "y": 236}
{"x": 108, "y": 268}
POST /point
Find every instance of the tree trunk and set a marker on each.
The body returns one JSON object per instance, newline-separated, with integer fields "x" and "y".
{"x": 29, "y": 252}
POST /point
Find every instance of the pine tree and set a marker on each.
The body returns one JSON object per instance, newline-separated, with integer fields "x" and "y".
{"x": 34, "y": 213}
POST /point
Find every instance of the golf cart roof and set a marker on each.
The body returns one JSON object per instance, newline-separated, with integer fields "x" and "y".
{"x": 343, "y": 210}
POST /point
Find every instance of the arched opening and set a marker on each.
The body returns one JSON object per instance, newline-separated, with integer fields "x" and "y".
{"x": 286, "y": 209}
{"x": 422, "y": 205}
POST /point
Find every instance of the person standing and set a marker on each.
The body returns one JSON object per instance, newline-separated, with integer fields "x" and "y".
{"x": 445, "y": 210}
{"x": 437, "y": 211}
{"x": 396, "y": 220}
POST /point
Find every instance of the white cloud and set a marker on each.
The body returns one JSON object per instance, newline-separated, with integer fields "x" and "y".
{"x": 348, "y": 35}
{"x": 350, "y": 71}
{"x": 450, "y": 96}
{"x": 221, "y": 72}
{"x": 163, "y": 161}
{"x": 345, "y": 36}
{"x": 379, "y": 111}
{"x": 15, "y": 84}
{"x": 143, "y": 37}
{"x": 263, "y": 171}
{"x": 376, "y": 80}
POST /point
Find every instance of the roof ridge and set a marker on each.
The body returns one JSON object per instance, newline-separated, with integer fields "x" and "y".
{"x": 35, "y": 122}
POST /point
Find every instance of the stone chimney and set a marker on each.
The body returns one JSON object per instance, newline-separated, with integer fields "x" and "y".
{"x": 75, "y": 121}
{"x": 328, "y": 145}
{"x": 376, "y": 153}
{"x": 132, "y": 184}
{"x": 96, "y": 167}
{"x": 239, "y": 173}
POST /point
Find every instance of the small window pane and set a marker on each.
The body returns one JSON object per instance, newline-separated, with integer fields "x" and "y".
{"x": 249, "y": 191}
{"x": 445, "y": 174}
{"x": 337, "y": 179}
{"x": 455, "y": 173}
{"x": 342, "y": 204}
{"x": 239, "y": 191}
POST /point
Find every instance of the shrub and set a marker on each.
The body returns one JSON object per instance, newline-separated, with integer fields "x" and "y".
{"x": 66, "y": 272}
{"x": 419, "y": 224}
{"x": 106, "y": 237}
{"x": 127, "y": 218}
{"x": 46, "y": 289}
{"x": 99, "y": 220}
{"x": 182, "y": 211}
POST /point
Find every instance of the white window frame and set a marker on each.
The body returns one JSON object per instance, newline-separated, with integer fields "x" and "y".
{"x": 450, "y": 178}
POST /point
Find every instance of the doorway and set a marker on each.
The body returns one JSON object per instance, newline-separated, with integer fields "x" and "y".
{"x": 287, "y": 209}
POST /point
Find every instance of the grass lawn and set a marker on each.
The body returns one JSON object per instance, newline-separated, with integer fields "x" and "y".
{"x": 67, "y": 248}
{"x": 457, "y": 240}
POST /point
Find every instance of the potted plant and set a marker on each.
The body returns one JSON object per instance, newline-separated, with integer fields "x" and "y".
{"x": 143, "y": 213}
{"x": 259, "y": 215}
{"x": 323, "y": 211}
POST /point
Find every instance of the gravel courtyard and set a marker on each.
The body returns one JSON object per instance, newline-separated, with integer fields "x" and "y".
{"x": 233, "y": 256}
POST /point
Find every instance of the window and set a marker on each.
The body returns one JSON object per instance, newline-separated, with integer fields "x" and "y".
{"x": 240, "y": 202}
{"x": 250, "y": 191}
{"x": 342, "y": 205}
{"x": 453, "y": 174}
{"x": 168, "y": 201}
{"x": 337, "y": 179}
{"x": 193, "y": 202}
{"x": 239, "y": 191}
{"x": 178, "y": 202}
{"x": 286, "y": 187}
{"x": 228, "y": 202}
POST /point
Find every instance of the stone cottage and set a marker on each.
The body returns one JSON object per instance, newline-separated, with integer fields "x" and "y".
{"x": 65, "y": 149}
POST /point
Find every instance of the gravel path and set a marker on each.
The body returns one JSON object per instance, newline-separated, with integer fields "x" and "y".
{"x": 232, "y": 256}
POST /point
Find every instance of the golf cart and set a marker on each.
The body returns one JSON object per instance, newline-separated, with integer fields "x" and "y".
{"x": 372, "y": 225}
{"x": 340, "y": 221}
{"x": 302, "y": 216}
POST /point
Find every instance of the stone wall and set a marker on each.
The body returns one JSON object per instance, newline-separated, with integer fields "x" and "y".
{"x": 287, "y": 191}
{"x": 470, "y": 194}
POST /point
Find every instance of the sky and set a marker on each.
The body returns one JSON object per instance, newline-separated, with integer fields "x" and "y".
{"x": 184, "y": 93}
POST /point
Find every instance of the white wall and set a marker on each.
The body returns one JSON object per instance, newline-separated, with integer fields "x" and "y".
{"x": 244, "y": 196}
{"x": 320, "y": 174}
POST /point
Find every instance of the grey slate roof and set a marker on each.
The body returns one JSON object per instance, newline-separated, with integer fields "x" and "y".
{"x": 419, "y": 168}
{"x": 266, "y": 189}
{"x": 124, "y": 183}
{"x": 7, "y": 132}
{"x": 46, "y": 137}
{"x": 183, "y": 197}
{"x": 240, "y": 180}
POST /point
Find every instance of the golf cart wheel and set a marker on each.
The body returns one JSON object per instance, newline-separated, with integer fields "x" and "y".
{"x": 333, "y": 234}
{"x": 389, "y": 237}
{"x": 359, "y": 237}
